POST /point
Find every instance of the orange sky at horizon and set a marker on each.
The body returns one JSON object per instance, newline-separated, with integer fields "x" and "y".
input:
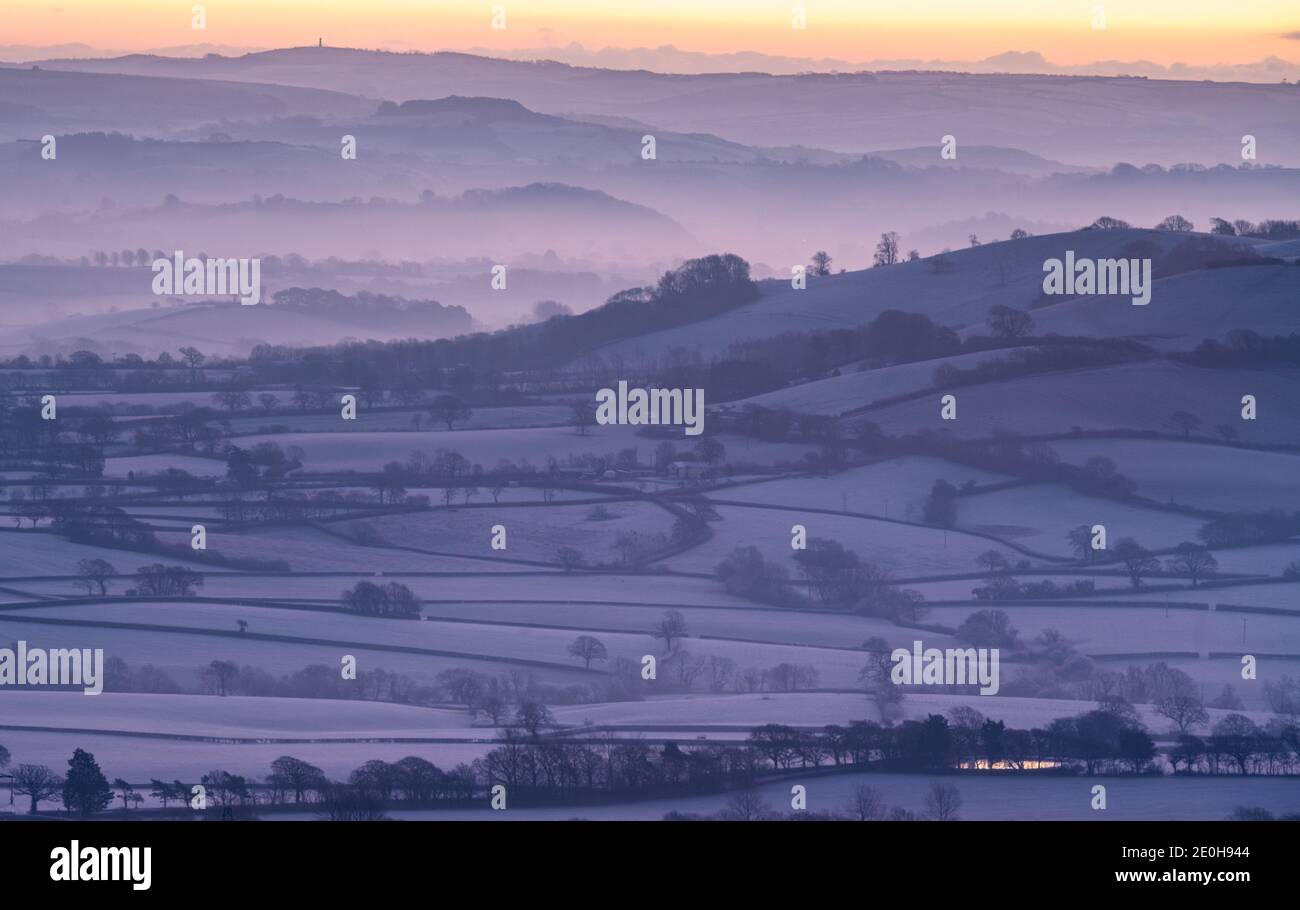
{"x": 1195, "y": 32}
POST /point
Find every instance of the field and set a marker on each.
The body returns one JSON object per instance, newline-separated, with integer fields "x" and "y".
{"x": 1040, "y": 515}
{"x": 1137, "y": 397}
{"x": 869, "y": 489}
{"x": 906, "y": 550}
{"x": 369, "y": 451}
{"x": 1196, "y": 474}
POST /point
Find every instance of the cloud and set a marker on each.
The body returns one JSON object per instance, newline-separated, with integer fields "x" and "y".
{"x": 1294, "y": 36}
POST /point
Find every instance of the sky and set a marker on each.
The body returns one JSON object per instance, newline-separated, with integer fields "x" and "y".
{"x": 1195, "y": 32}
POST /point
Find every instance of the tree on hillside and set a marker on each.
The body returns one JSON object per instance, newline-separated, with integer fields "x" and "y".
{"x": 85, "y": 789}
{"x": 95, "y": 574}
{"x": 1193, "y": 560}
{"x": 942, "y": 802}
{"x": 534, "y": 717}
{"x": 1176, "y": 223}
{"x": 126, "y": 790}
{"x": 193, "y": 358}
{"x": 1185, "y": 422}
{"x": 820, "y": 266}
{"x": 670, "y": 628}
{"x": 1236, "y": 736}
{"x": 37, "y": 782}
{"x": 586, "y": 649}
{"x": 866, "y": 803}
{"x": 157, "y": 580}
{"x": 449, "y": 409}
{"x": 296, "y": 776}
{"x": 886, "y": 250}
{"x": 1107, "y": 223}
{"x": 988, "y": 629}
{"x": 584, "y": 416}
{"x": 710, "y": 450}
{"x": 1137, "y": 560}
{"x": 569, "y": 557}
{"x": 1183, "y": 707}
{"x": 1080, "y": 540}
{"x": 233, "y": 399}
{"x": 390, "y": 485}
{"x": 220, "y": 675}
{"x": 1220, "y": 226}
{"x": 1008, "y": 322}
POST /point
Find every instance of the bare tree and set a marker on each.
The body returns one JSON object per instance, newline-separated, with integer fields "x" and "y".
{"x": 1137, "y": 560}
{"x": 1193, "y": 560}
{"x": 942, "y": 802}
{"x": 886, "y": 249}
{"x": 1184, "y": 708}
{"x": 866, "y": 804}
{"x": 1080, "y": 540}
{"x": 584, "y": 416}
{"x": 746, "y": 806}
{"x": 722, "y": 670}
{"x": 95, "y": 574}
{"x": 586, "y": 649}
{"x": 37, "y": 782}
{"x": 449, "y": 409}
{"x": 1185, "y": 422}
{"x": 671, "y": 628}
{"x": 686, "y": 668}
{"x": 1176, "y": 223}
{"x": 1008, "y": 322}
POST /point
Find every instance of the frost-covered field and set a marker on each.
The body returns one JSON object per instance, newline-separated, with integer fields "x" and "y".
{"x": 992, "y": 797}
{"x": 29, "y": 552}
{"x": 895, "y": 488}
{"x": 1197, "y": 474}
{"x": 182, "y": 650}
{"x": 532, "y": 533}
{"x": 425, "y": 432}
{"x": 238, "y": 717}
{"x": 140, "y": 759}
{"x": 313, "y": 550}
{"x": 139, "y": 737}
{"x": 1040, "y": 516}
{"x": 859, "y": 388}
{"x": 122, "y": 466}
{"x": 370, "y": 451}
{"x": 1102, "y": 629}
{"x": 908, "y": 550}
{"x": 1139, "y": 396}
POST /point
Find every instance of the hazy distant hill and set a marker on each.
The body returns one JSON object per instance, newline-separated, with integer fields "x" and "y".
{"x": 42, "y": 100}
{"x": 229, "y": 328}
{"x": 1071, "y": 118}
{"x": 489, "y": 223}
{"x": 982, "y": 157}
